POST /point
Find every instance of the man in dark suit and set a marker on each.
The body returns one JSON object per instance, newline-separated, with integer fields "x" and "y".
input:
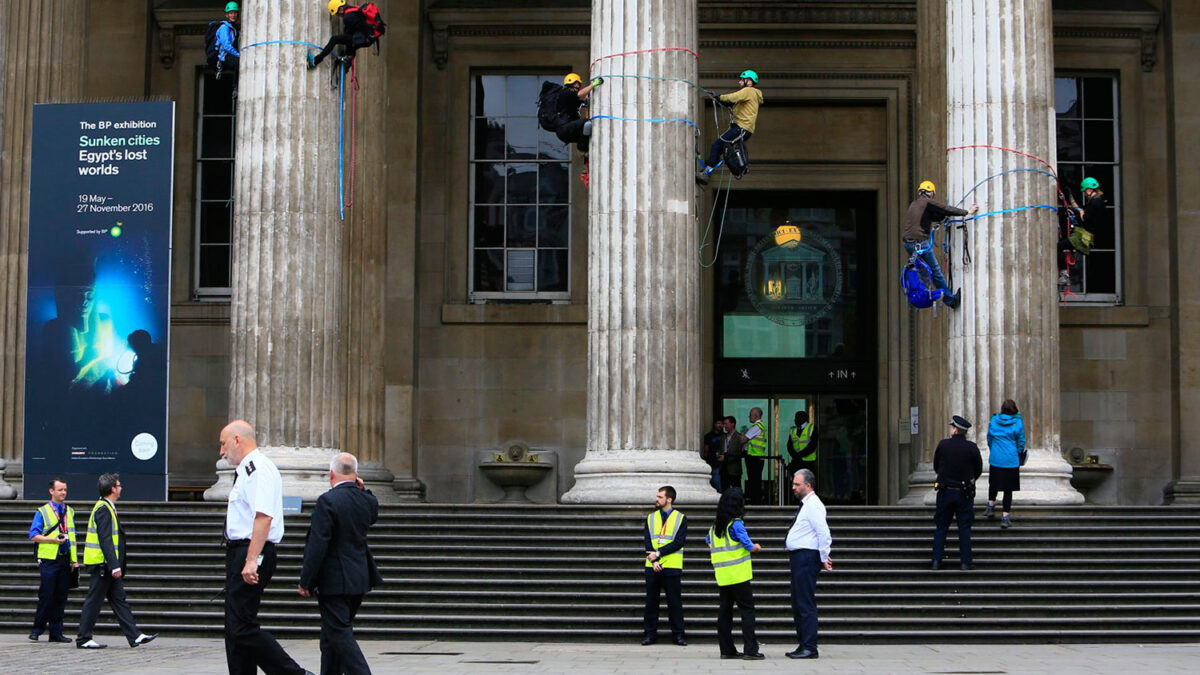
{"x": 338, "y": 567}
{"x": 733, "y": 449}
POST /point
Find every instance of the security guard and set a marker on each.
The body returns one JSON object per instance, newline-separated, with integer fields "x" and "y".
{"x": 756, "y": 451}
{"x": 253, "y": 527}
{"x": 730, "y": 547}
{"x": 53, "y": 530}
{"x": 665, "y": 535}
{"x": 801, "y": 446}
{"x": 958, "y": 464}
{"x": 104, "y": 555}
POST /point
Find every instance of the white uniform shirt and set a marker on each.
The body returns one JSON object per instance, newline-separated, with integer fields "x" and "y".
{"x": 810, "y": 529}
{"x": 257, "y": 488}
{"x": 752, "y": 432}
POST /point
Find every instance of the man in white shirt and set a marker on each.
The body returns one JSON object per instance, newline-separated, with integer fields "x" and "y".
{"x": 253, "y": 526}
{"x": 808, "y": 543}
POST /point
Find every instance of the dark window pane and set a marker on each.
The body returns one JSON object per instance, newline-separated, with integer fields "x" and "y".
{"x": 218, "y": 138}
{"x": 1101, "y": 270}
{"x": 216, "y": 220}
{"x": 489, "y": 138}
{"x": 553, "y": 227}
{"x": 218, "y": 96}
{"x": 489, "y": 269}
{"x": 1070, "y": 141}
{"x": 549, "y": 147}
{"x": 522, "y": 183}
{"x": 216, "y": 180}
{"x": 489, "y": 183}
{"x": 214, "y": 266}
{"x": 523, "y": 95}
{"x": 553, "y": 184}
{"x": 489, "y": 95}
{"x": 1098, "y": 142}
{"x": 1070, "y": 175}
{"x": 489, "y": 225}
{"x": 1102, "y": 173}
{"x": 1097, "y": 97}
{"x": 1066, "y": 96}
{"x": 520, "y": 270}
{"x": 552, "y": 270}
{"x": 522, "y": 226}
{"x": 522, "y": 137}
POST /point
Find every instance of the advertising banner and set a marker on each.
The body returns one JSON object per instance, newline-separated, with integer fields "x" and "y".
{"x": 99, "y": 297}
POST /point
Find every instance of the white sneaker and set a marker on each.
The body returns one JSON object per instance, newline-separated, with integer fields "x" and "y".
{"x": 91, "y": 644}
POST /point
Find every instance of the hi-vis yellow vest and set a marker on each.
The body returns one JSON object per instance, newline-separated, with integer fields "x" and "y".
{"x": 662, "y": 534}
{"x": 801, "y": 440}
{"x": 730, "y": 559}
{"x": 49, "y": 526}
{"x": 758, "y": 444}
{"x": 92, "y": 553}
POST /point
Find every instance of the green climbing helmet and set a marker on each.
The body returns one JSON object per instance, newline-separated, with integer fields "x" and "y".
{"x": 232, "y": 7}
{"x": 1090, "y": 184}
{"x": 749, "y": 75}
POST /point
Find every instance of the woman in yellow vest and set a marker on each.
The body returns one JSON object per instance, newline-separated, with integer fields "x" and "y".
{"x": 730, "y": 548}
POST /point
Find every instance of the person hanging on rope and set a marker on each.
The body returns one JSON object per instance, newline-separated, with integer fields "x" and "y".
{"x": 1094, "y": 214}
{"x": 923, "y": 212}
{"x": 220, "y": 41}
{"x": 362, "y": 26}
{"x": 559, "y": 106}
{"x": 745, "y": 103}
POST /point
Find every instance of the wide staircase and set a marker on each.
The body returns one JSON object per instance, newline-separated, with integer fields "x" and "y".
{"x": 566, "y": 573}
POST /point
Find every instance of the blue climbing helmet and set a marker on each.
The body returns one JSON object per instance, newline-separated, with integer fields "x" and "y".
{"x": 749, "y": 75}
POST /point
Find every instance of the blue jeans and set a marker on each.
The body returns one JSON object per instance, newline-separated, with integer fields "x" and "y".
{"x": 935, "y": 268}
{"x": 718, "y": 147}
{"x": 715, "y": 481}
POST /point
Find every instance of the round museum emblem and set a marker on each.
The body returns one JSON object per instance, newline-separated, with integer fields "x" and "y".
{"x": 793, "y": 279}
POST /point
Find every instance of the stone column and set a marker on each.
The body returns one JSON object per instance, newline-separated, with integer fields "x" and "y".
{"x": 1003, "y": 341}
{"x": 40, "y": 67}
{"x": 644, "y": 361}
{"x": 288, "y": 354}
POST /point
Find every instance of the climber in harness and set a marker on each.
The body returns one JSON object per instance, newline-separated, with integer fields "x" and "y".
{"x": 362, "y": 26}
{"x": 732, "y": 144}
{"x": 923, "y": 212}
{"x": 558, "y": 110}
{"x": 1073, "y": 238}
{"x": 220, "y": 41}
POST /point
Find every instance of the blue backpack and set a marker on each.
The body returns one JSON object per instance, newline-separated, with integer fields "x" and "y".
{"x": 919, "y": 295}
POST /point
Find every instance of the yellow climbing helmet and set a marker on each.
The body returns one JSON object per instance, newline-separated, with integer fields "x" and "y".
{"x": 927, "y": 186}
{"x": 571, "y": 78}
{"x": 335, "y": 5}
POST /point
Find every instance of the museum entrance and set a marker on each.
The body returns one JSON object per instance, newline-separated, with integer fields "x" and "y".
{"x": 795, "y": 307}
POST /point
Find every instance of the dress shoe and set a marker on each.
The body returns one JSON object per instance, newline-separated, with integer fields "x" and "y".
{"x": 936, "y": 565}
{"x": 735, "y": 655}
{"x": 967, "y": 567}
{"x": 649, "y": 640}
{"x": 60, "y": 638}
{"x": 91, "y": 644}
{"x": 680, "y": 641}
{"x": 34, "y": 636}
{"x": 143, "y": 639}
{"x": 802, "y": 653}
{"x": 754, "y": 656}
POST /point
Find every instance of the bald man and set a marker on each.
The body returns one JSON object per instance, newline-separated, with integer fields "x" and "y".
{"x": 338, "y": 567}
{"x": 253, "y": 527}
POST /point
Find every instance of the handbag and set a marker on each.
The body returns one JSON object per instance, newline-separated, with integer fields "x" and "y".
{"x": 1022, "y": 456}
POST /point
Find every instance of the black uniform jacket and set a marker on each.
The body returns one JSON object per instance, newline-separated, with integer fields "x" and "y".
{"x": 336, "y": 558}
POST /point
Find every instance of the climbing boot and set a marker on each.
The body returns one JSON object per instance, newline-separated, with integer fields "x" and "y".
{"x": 952, "y": 300}
{"x": 702, "y": 178}
{"x": 311, "y": 60}
{"x": 990, "y": 511}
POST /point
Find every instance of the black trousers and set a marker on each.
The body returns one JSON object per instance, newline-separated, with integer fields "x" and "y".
{"x": 743, "y": 595}
{"x": 672, "y": 584}
{"x": 247, "y": 646}
{"x": 102, "y": 587}
{"x": 572, "y": 132}
{"x": 731, "y": 135}
{"x": 339, "y": 650}
{"x": 728, "y": 481}
{"x": 351, "y": 41}
{"x": 804, "y": 565}
{"x": 52, "y": 595}
{"x": 953, "y": 505}
{"x": 1006, "y": 506}
{"x": 754, "y": 481}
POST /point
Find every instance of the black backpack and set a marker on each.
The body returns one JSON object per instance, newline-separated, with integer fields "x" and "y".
{"x": 211, "y": 51}
{"x": 548, "y": 115}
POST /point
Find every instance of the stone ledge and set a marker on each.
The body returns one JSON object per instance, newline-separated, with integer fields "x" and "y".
{"x": 211, "y": 313}
{"x": 457, "y": 313}
{"x": 1104, "y": 316}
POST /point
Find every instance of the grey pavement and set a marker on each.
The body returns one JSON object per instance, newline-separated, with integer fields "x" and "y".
{"x": 19, "y": 656}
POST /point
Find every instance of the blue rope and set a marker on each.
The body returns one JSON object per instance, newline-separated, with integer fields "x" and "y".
{"x": 647, "y": 119}
{"x": 341, "y": 154}
{"x": 283, "y": 42}
{"x": 1012, "y": 210}
{"x": 997, "y": 175}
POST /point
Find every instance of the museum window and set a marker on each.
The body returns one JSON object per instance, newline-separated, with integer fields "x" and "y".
{"x": 214, "y": 186}
{"x": 520, "y": 193}
{"x": 1088, "y": 129}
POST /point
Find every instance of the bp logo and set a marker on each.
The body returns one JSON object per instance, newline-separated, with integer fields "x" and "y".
{"x": 793, "y": 278}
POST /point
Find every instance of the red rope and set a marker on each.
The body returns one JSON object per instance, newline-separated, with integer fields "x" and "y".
{"x": 645, "y": 51}
{"x": 1000, "y": 147}
{"x": 353, "y": 138}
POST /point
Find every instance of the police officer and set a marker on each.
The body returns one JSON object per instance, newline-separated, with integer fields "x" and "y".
{"x": 665, "y": 535}
{"x": 253, "y": 527}
{"x": 958, "y": 463}
{"x": 53, "y": 530}
{"x": 756, "y": 451}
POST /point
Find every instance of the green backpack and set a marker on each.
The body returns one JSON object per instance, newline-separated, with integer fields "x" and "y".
{"x": 1081, "y": 239}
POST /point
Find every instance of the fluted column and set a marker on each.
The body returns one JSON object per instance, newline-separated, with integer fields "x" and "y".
{"x": 1003, "y": 341}
{"x": 288, "y": 355}
{"x": 643, "y": 281}
{"x": 39, "y": 67}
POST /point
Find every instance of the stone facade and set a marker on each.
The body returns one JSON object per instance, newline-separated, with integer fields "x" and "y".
{"x": 856, "y": 99}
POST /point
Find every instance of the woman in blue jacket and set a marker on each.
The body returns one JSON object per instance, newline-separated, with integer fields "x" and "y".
{"x": 1006, "y": 452}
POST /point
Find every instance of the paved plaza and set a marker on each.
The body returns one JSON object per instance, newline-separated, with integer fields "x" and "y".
{"x": 207, "y": 657}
